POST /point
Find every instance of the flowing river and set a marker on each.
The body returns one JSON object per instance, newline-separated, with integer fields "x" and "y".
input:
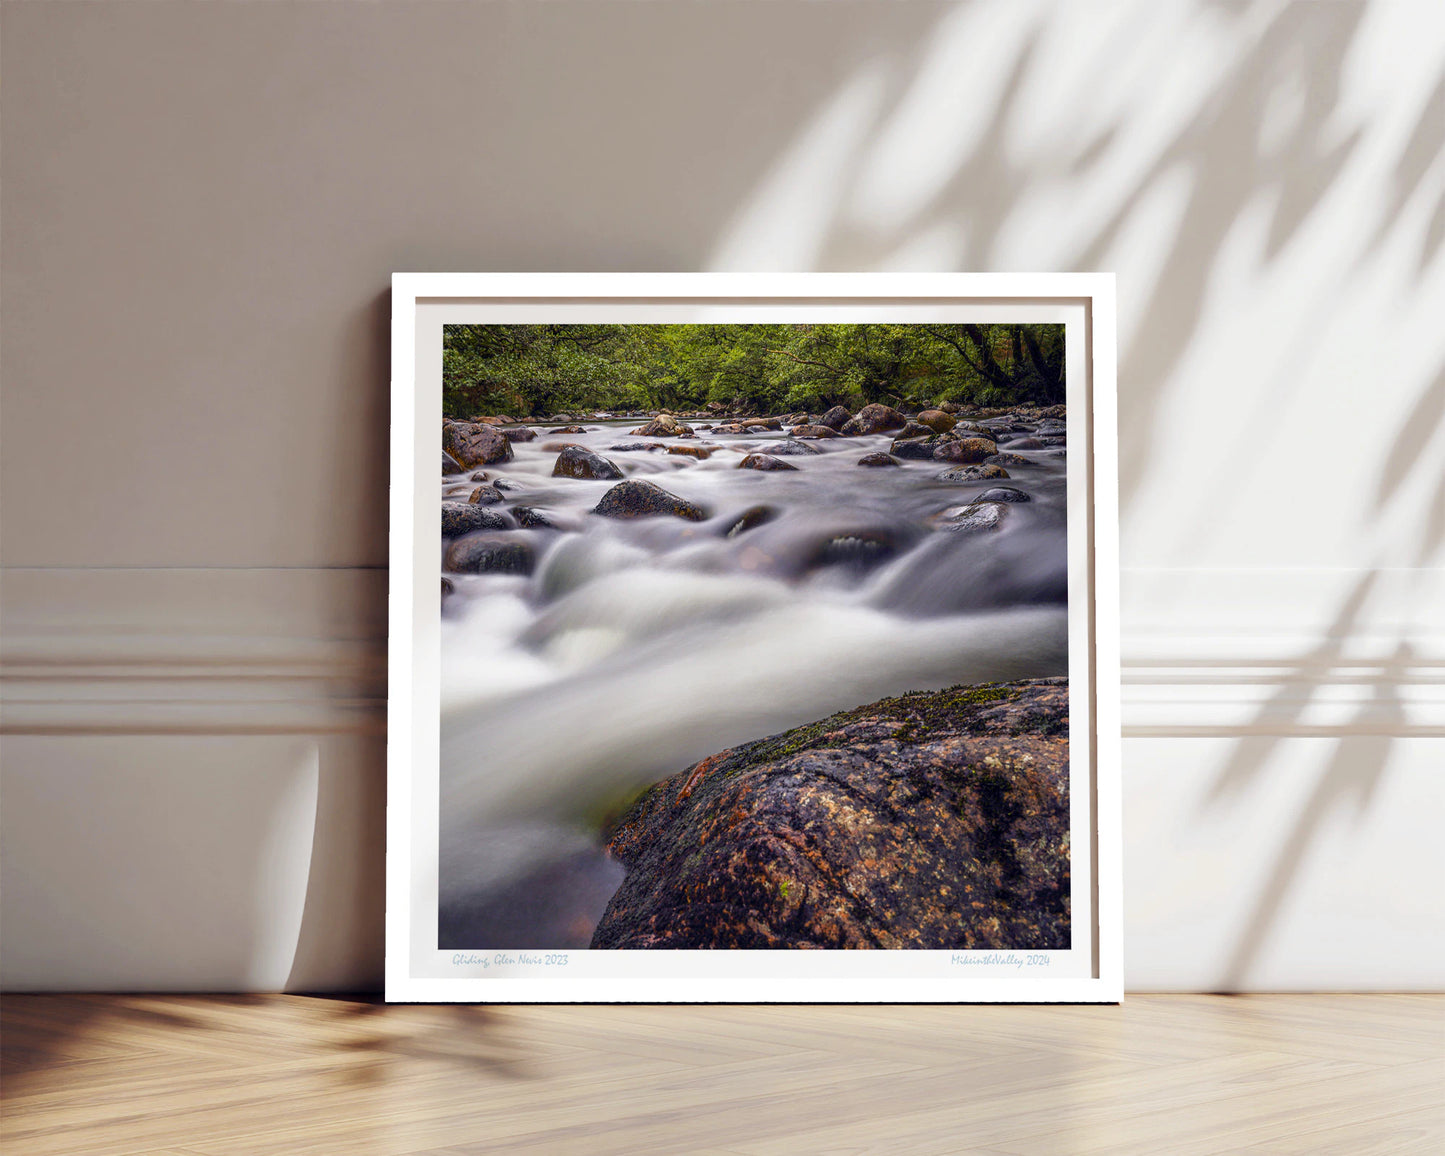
{"x": 636, "y": 647}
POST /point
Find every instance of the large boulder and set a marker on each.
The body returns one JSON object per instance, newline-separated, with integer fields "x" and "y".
{"x": 639, "y": 499}
{"x": 460, "y": 518}
{"x": 966, "y": 451}
{"x": 520, "y": 433}
{"x": 934, "y": 820}
{"x": 836, "y": 418}
{"x": 937, "y": 420}
{"x": 872, "y": 419}
{"x": 815, "y": 432}
{"x": 490, "y": 554}
{"x": 577, "y": 462}
{"x": 450, "y": 465}
{"x": 764, "y": 462}
{"x": 664, "y": 425}
{"x": 475, "y": 444}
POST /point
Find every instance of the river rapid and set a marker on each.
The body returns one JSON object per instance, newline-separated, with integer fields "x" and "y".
{"x": 636, "y": 647}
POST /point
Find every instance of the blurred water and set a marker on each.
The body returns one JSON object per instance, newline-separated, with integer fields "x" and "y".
{"x": 638, "y": 647}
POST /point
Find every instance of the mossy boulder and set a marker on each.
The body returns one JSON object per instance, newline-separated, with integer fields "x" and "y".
{"x": 932, "y": 820}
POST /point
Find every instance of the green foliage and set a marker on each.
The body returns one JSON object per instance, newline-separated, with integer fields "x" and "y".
{"x": 538, "y": 370}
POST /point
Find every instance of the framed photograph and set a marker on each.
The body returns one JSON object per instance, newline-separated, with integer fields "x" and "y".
{"x": 757, "y": 640}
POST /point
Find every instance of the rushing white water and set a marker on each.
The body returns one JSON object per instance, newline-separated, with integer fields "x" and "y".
{"x": 637, "y": 647}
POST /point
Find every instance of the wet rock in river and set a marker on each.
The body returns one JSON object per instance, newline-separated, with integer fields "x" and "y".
{"x": 861, "y": 550}
{"x": 630, "y": 447}
{"x": 981, "y": 473}
{"x": 790, "y": 448}
{"x": 568, "y": 429}
{"x": 815, "y": 432}
{"x": 932, "y": 820}
{"x": 1024, "y": 444}
{"x": 485, "y": 496}
{"x": 836, "y": 418}
{"x": 750, "y": 518}
{"x": 531, "y": 518}
{"x": 878, "y": 459}
{"x": 972, "y": 519}
{"x": 937, "y": 420}
{"x": 664, "y": 425}
{"x": 1006, "y": 460}
{"x": 474, "y": 444}
{"x": 639, "y": 499}
{"x": 520, "y": 433}
{"x": 872, "y": 419}
{"x": 448, "y": 586}
{"x": 913, "y": 449}
{"x": 764, "y": 462}
{"x": 968, "y": 451}
{"x": 450, "y": 465}
{"x": 914, "y": 430}
{"x": 462, "y": 518}
{"x": 700, "y": 452}
{"x": 577, "y": 462}
{"x": 480, "y": 476}
{"x": 490, "y": 554}
{"x": 756, "y": 423}
{"x": 1003, "y": 494}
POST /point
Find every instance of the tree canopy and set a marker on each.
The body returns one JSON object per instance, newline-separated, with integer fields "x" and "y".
{"x": 536, "y": 370}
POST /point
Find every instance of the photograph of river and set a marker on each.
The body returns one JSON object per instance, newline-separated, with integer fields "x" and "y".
{"x": 754, "y": 636}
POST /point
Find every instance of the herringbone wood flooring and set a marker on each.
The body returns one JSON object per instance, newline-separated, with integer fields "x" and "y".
{"x": 290, "y": 1075}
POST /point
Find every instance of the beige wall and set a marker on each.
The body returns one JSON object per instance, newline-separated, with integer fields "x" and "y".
{"x": 201, "y": 205}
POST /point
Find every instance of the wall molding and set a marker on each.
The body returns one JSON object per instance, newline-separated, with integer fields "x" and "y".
{"x": 1206, "y": 653}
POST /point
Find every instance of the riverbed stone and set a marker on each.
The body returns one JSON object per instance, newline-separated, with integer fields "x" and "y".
{"x": 450, "y": 465}
{"x": 873, "y": 419}
{"x": 490, "y": 554}
{"x": 639, "y": 499}
{"x": 934, "y": 820}
{"x": 977, "y": 473}
{"x": 967, "y": 451}
{"x": 475, "y": 444}
{"x": 814, "y": 432}
{"x": 664, "y": 425}
{"x": 789, "y": 448}
{"x": 485, "y": 495}
{"x": 836, "y": 418}
{"x": 531, "y": 518}
{"x": 937, "y": 420}
{"x": 1005, "y": 459}
{"x": 764, "y": 462}
{"x": 749, "y": 519}
{"x": 878, "y": 459}
{"x": 1003, "y": 494}
{"x": 973, "y": 518}
{"x": 520, "y": 433}
{"x": 462, "y": 518}
{"x": 577, "y": 462}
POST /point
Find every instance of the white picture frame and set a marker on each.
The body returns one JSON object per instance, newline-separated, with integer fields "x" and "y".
{"x": 416, "y": 970}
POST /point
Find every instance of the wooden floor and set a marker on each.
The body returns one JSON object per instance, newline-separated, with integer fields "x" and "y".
{"x": 216, "y": 1076}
